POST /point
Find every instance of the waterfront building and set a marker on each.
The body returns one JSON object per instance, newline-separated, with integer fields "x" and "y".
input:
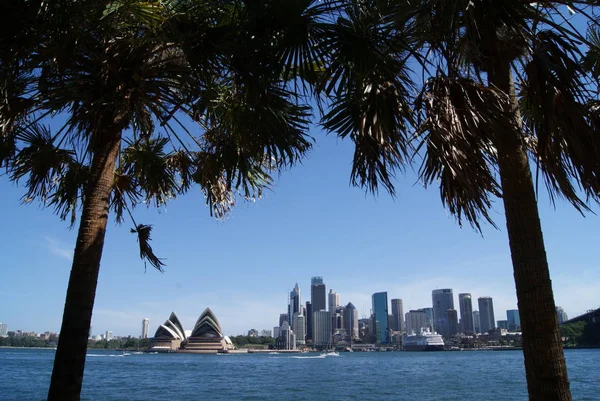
{"x": 276, "y": 331}
{"x": 442, "y": 300}
{"x": 466, "y": 313}
{"x": 452, "y": 315}
{"x": 561, "y": 315}
{"x": 294, "y": 305}
{"x": 333, "y": 302}
{"x": 109, "y": 335}
{"x": 415, "y": 320}
{"x": 350, "y": 320}
{"x": 321, "y": 327}
{"x": 514, "y": 320}
{"x": 486, "y": 314}
{"x": 299, "y": 328}
{"x": 287, "y": 336}
{"x": 169, "y": 335}
{"x": 318, "y": 294}
{"x": 380, "y": 316}
{"x": 145, "y": 327}
{"x": 502, "y": 324}
{"x": 3, "y": 330}
{"x": 207, "y": 336}
{"x": 308, "y": 314}
{"x": 397, "y": 315}
{"x": 476, "y": 322}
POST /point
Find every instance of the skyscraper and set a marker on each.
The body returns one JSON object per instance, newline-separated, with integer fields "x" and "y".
{"x": 452, "y": 322}
{"x": 442, "y": 300}
{"x": 308, "y": 320}
{"x": 283, "y": 317}
{"x": 428, "y": 317}
{"x": 397, "y": 315}
{"x": 514, "y": 320}
{"x": 294, "y": 306}
{"x": 334, "y": 300}
{"x": 380, "y": 316}
{"x": 486, "y": 314}
{"x": 299, "y": 328}
{"x": 318, "y": 294}
{"x": 561, "y": 315}
{"x": 145, "y": 326}
{"x": 466, "y": 313}
{"x": 351, "y": 320}
{"x": 476, "y": 322}
{"x": 321, "y": 327}
{"x": 3, "y": 329}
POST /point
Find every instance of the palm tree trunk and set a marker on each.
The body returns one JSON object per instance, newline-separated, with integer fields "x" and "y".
{"x": 545, "y": 366}
{"x": 69, "y": 362}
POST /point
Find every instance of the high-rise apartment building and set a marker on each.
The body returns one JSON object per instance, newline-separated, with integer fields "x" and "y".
{"x": 318, "y": 295}
{"x": 486, "y": 314}
{"x": 442, "y": 300}
{"x": 351, "y": 320}
{"x": 321, "y": 325}
{"x": 145, "y": 327}
{"x": 476, "y": 322}
{"x": 108, "y": 336}
{"x": 466, "y": 313}
{"x": 333, "y": 300}
{"x": 397, "y": 315}
{"x": 286, "y": 334}
{"x": 514, "y": 320}
{"x": 380, "y": 316}
{"x": 561, "y": 315}
{"x": 415, "y": 320}
{"x": 452, "y": 322}
{"x": 3, "y": 329}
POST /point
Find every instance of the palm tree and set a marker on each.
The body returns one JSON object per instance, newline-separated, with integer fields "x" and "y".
{"x": 507, "y": 85}
{"x": 123, "y": 76}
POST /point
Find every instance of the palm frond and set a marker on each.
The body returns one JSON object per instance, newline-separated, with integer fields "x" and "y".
{"x": 125, "y": 193}
{"x": 554, "y": 105}
{"x": 69, "y": 191}
{"x": 146, "y": 252}
{"x": 461, "y": 118}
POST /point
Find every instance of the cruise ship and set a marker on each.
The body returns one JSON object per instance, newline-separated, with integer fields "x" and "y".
{"x": 425, "y": 340}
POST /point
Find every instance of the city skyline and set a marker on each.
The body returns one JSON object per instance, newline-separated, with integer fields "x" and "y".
{"x": 313, "y": 224}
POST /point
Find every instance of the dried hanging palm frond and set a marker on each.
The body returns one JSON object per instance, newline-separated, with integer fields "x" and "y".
{"x": 456, "y": 135}
{"x": 146, "y": 253}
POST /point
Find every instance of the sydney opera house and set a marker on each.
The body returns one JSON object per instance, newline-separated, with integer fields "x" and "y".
{"x": 206, "y": 337}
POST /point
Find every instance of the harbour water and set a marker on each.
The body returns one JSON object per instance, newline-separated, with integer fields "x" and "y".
{"x": 443, "y": 376}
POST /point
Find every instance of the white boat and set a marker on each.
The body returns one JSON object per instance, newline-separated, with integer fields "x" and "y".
{"x": 329, "y": 351}
{"x": 425, "y": 340}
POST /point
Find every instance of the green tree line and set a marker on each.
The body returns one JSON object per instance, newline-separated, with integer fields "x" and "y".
{"x": 581, "y": 334}
{"x": 245, "y": 341}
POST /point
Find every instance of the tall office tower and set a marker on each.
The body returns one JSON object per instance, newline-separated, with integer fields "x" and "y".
{"x": 561, "y": 315}
{"x": 318, "y": 296}
{"x": 308, "y": 315}
{"x": 3, "y": 329}
{"x": 283, "y": 317}
{"x": 351, "y": 320}
{"x": 276, "y": 331}
{"x": 428, "y": 317}
{"x": 476, "y": 322}
{"x": 466, "y": 313}
{"x": 108, "y": 336}
{"x": 300, "y": 328}
{"x": 398, "y": 315}
{"x": 442, "y": 300}
{"x": 486, "y": 314}
{"x": 514, "y": 320}
{"x": 415, "y": 321}
{"x": 452, "y": 322}
{"x": 294, "y": 305}
{"x": 321, "y": 327}
{"x": 145, "y": 326}
{"x": 338, "y": 321}
{"x": 380, "y": 316}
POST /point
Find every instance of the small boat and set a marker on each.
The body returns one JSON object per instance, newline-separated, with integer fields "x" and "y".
{"x": 329, "y": 351}
{"x": 126, "y": 353}
{"x": 273, "y": 353}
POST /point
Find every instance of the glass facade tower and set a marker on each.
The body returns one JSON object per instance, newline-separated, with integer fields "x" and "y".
{"x": 380, "y": 316}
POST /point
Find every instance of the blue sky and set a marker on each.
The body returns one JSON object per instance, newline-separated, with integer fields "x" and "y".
{"x": 312, "y": 223}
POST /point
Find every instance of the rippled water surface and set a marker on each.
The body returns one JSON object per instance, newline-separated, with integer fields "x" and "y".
{"x": 447, "y": 376}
